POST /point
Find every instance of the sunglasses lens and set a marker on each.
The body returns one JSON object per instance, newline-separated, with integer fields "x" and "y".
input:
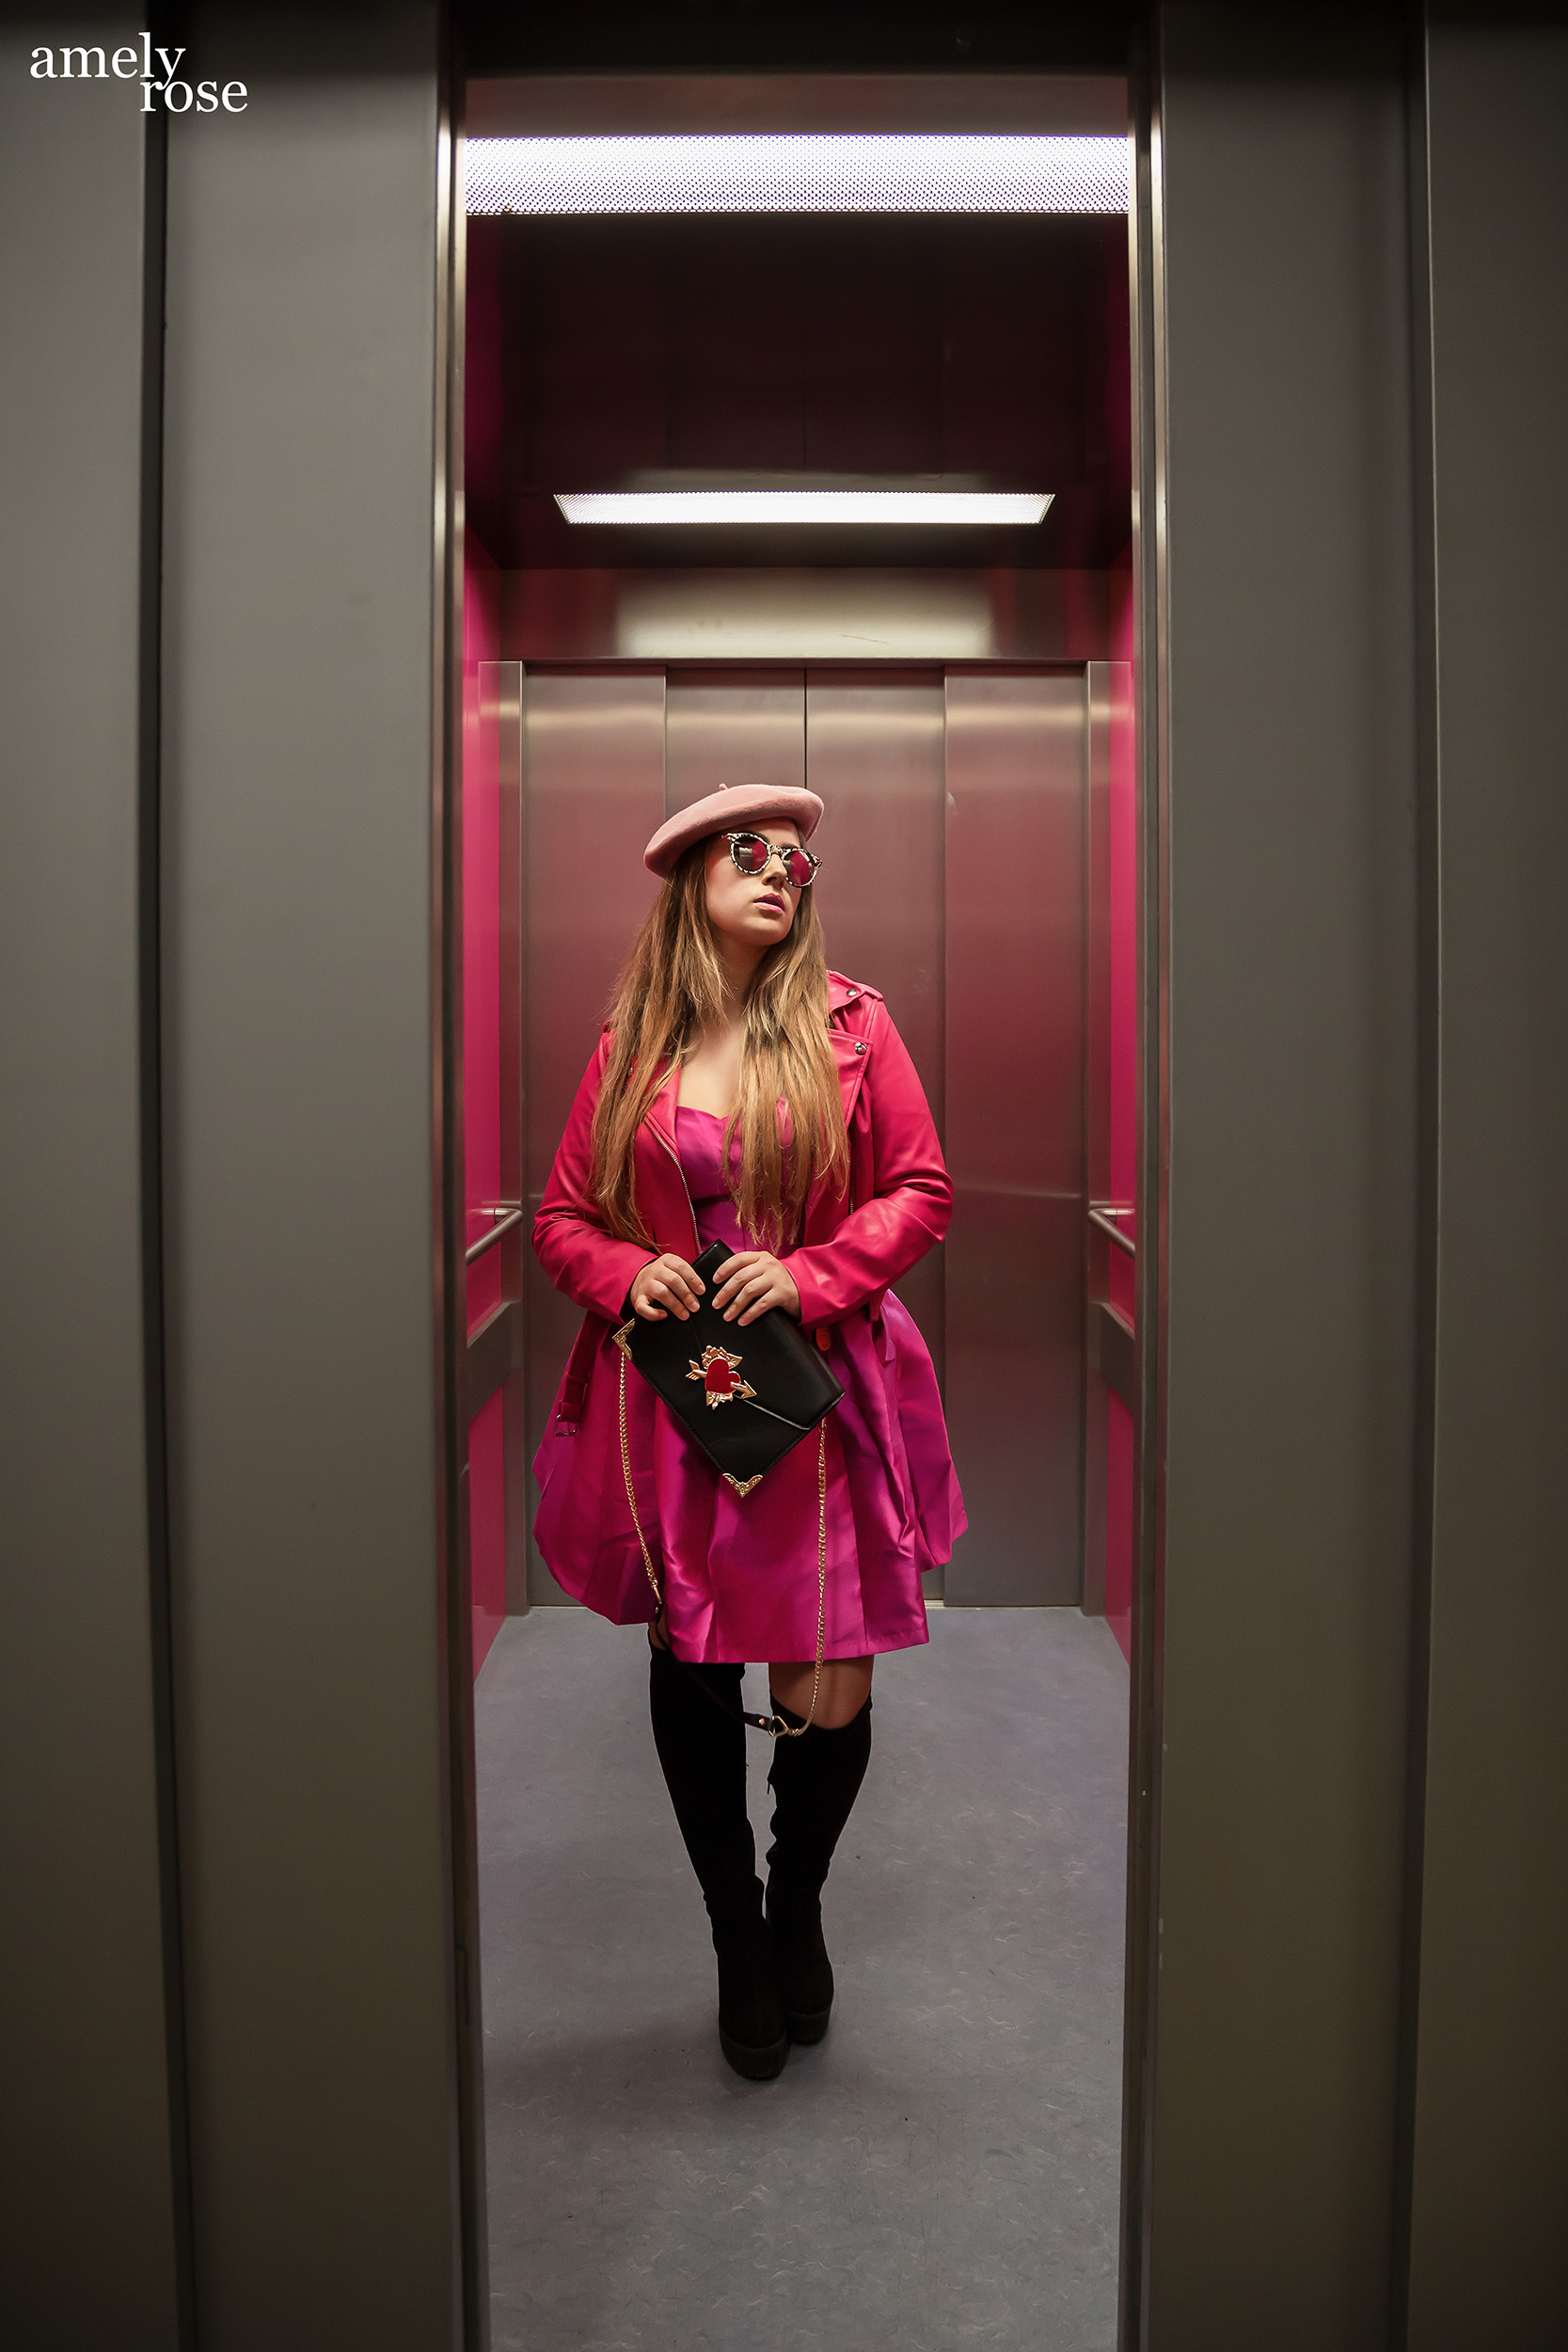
{"x": 753, "y": 855}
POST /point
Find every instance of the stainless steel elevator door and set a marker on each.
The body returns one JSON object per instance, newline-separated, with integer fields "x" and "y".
{"x": 1017, "y": 750}
{"x": 874, "y": 745}
{"x": 952, "y": 881}
{"x": 593, "y": 791}
{"x": 731, "y": 726}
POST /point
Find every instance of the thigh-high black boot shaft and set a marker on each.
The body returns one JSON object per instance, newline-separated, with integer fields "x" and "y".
{"x": 702, "y": 1751}
{"x": 816, "y": 1780}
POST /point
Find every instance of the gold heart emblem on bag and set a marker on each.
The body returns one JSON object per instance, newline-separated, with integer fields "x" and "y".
{"x": 718, "y": 1372}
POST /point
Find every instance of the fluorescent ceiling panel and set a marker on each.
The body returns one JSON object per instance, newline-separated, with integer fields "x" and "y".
{"x": 803, "y": 506}
{"x": 798, "y": 173}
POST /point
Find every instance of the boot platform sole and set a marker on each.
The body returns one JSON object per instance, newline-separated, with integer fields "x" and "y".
{"x": 757, "y": 2065}
{"x": 808, "y": 2024}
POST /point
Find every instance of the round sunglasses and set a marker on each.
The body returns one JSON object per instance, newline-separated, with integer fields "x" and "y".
{"x": 752, "y": 854}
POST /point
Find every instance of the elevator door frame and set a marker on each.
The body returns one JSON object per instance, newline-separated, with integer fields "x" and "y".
{"x": 1150, "y": 768}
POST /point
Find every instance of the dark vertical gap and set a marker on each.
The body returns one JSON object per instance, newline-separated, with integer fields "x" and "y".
{"x": 472, "y": 2283}
{"x": 1142, "y": 1946}
{"x": 1428, "y": 1166}
{"x": 150, "y": 1048}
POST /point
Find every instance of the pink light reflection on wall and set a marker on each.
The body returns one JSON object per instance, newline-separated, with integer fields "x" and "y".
{"x": 1122, "y": 855}
{"x": 482, "y": 1140}
{"x": 482, "y": 1092}
{"x": 486, "y": 1526}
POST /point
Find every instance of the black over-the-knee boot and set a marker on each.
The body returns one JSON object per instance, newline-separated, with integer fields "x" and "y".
{"x": 815, "y": 1780}
{"x": 702, "y": 1751}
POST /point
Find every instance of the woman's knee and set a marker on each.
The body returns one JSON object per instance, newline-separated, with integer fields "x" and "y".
{"x": 844, "y": 1688}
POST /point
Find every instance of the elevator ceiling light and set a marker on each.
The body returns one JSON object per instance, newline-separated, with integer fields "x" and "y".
{"x": 803, "y": 506}
{"x": 799, "y": 173}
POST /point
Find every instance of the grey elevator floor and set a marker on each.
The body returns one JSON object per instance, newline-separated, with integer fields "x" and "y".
{"x": 941, "y": 2171}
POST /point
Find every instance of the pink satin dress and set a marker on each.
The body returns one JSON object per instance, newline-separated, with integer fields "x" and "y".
{"x": 739, "y": 1572}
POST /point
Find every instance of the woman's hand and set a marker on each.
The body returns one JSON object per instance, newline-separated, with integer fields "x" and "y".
{"x": 747, "y": 1286}
{"x": 666, "y": 1286}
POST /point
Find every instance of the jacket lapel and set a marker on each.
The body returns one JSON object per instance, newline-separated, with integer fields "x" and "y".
{"x": 661, "y": 1182}
{"x": 660, "y": 1114}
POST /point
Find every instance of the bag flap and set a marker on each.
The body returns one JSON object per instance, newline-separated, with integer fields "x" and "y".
{"x": 747, "y": 1395}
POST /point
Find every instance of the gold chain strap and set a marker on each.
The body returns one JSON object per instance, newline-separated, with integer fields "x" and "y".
{"x": 778, "y": 1729}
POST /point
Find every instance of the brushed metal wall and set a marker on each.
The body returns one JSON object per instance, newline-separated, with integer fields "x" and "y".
{"x": 1017, "y": 748}
{"x": 731, "y": 726}
{"x": 877, "y": 758}
{"x": 953, "y": 881}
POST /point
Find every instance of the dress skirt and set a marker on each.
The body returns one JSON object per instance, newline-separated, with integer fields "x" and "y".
{"x": 739, "y": 1573}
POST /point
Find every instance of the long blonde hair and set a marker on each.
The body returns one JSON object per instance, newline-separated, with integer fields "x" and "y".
{"x": 670, "y": 990}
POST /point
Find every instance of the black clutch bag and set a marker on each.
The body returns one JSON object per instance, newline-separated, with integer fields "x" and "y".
{"x": 747, "y": 1395}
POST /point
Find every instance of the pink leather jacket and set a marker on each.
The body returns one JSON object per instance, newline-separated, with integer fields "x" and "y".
{"x": 853, "y": 1248}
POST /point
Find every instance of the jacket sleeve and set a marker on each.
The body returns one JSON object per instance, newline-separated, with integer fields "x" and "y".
{"x": 912, "y": 1195}
{"x": 585, "y": 1263}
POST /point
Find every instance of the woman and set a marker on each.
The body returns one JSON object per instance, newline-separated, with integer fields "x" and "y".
{"x": 743, "y": 1092}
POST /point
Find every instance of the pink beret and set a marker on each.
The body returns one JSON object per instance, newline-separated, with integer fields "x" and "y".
{"x": 730, "y": 809}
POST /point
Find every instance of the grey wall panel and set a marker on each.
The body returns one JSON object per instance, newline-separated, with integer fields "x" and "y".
{"x": 1016, "y": 751}
{"x": 300, "y": 621}
{"x": 86, "y": 2196}
{"x": 1490, "y": 2252}
{"x": 1291, "y": 979}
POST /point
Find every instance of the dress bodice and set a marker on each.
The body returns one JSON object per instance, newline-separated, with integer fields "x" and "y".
{"x": 700, "y": 1136}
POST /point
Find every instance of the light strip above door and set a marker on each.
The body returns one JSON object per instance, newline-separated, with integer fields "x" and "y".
{"x": 803, "y": 506}
{"x": 798, "y": 173}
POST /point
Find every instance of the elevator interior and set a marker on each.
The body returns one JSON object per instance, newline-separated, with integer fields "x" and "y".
{"x": 959, "y": 694}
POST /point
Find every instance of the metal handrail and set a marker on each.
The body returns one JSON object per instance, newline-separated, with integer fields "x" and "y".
{"x": 506, "y": 1217}
{"x": 1102, "y": 1215}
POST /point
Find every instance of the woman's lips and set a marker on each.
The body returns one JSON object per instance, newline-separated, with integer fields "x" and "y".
{"x": 774, "y": 906}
